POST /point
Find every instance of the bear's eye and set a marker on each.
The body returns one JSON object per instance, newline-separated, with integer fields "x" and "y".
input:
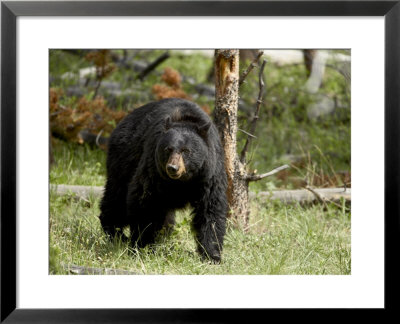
{"x": 168, "y": 149}
{"x": 186, "y": 150}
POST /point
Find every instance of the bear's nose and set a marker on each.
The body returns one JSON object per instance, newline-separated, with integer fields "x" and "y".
{"x": 172, "y": 168}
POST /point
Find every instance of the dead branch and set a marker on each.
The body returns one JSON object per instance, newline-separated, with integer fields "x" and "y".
{"x": 153, "y": 65}
{"x": 256, "y": 177}
{"x": 250, "y": 68}
{"x": 317, "y": 195}
{"x": 255, "y": 118}
{"x": 324, "y": 200}
{"x": 247, "y": 133}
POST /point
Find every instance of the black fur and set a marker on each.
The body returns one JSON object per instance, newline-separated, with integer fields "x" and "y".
{"x": 140, "y": 194}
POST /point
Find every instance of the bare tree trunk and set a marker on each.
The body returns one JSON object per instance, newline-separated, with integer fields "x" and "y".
{"x": 226, "y": 105}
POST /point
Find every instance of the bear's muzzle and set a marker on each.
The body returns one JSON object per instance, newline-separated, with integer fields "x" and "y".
{"x": 175, "y": 167}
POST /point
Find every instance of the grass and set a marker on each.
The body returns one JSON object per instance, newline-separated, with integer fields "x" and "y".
{"x": 282, "y": 239}
{"x": 77, "y": 165}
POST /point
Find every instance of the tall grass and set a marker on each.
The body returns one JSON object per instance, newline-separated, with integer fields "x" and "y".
{"x": 281, "y": 239}
{"x": 77, "y": 165}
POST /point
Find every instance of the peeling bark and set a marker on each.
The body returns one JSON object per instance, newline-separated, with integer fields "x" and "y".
{"x": 226, "y": 105}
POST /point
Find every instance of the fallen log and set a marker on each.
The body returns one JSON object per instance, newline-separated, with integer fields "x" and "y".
{"x": 80, "y": 191}
{"x": 81, "y": 270}
{"x": 305, "y": 196}
{"x": 287, "y": 196}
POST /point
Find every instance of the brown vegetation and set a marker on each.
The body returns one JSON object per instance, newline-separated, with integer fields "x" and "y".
{"x": 173, "y": 88}
{"x": 91, "y": 115}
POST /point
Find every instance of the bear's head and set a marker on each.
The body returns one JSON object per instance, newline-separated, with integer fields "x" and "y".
{"x": 182, "y": 149}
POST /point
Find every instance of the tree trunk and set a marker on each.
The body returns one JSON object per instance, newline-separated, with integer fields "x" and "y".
{"x": 227, "y": 84}
{"x": 226, "y": 105}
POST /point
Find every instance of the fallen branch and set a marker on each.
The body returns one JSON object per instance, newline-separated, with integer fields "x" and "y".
{"x": 80, "y": 191}
{"x": 325, "y": 200}
{"x": 81, "y": 270}
{"x": 250, "y": 68}
{"x": 305, "y": 196}
{"x": 317, "y": 195}
{"x": 287, "y": 196}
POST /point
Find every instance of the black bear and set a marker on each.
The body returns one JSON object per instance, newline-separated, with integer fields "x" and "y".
{"x": 161, "y": 157}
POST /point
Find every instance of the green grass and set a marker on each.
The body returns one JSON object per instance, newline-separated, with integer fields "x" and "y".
{"x": 281, "y": 239}
{"x": 77, "y": 165}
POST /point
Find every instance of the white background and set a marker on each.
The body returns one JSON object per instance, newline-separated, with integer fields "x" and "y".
{"x": 363, "y": 288}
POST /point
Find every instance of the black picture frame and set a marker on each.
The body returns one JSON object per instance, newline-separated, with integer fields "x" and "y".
{"x": 9, "y": 13}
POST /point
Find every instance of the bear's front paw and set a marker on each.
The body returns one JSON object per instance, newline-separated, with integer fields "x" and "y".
{"x": 212, "y": 254}
{"x": 216, "y": 258}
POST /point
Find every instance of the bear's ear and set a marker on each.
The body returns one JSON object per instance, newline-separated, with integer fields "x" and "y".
{"x": 168, "y": 123}
{"x": 203, "y": 129}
